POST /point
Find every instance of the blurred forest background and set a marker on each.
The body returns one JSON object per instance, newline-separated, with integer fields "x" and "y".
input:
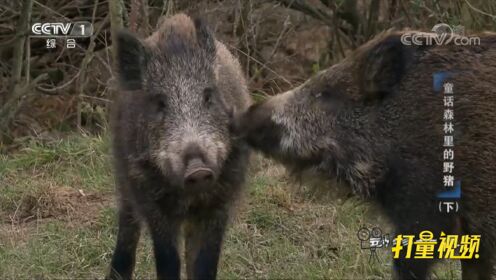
{"x": 57, "y": 212}
{"x": 45, "y": 92}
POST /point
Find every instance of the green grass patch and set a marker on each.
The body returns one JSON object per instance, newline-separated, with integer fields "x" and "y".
{"x": 282, "y": 230}
{"x": 78, "y": 162}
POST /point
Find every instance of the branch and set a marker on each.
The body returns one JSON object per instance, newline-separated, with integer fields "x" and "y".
{"x": 116, "y": 23}
{"x": 309, "y": 9}
{"x": 133, "y": 15}
{"x": 15, "y": 102}
{"x": 18, "y": 58}
{"x": 479, "y": 11}
{"x": 84, "y": 65}
{"x": 348, "y": 22}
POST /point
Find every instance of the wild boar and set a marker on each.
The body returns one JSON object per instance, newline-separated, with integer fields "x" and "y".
{"x": 178, "y": 166}
{"x": 375, "y": 122}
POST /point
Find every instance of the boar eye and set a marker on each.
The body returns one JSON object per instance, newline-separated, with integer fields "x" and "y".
{"x": 159, "y": 101}
{"x": 208, "y": 95}
{"x": 161, "y": 104}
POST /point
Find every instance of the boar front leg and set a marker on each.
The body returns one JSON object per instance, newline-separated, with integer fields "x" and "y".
{"x": 411, "y": 269}
{"x": 204, "y": 235}
{"x": 410, "y": 202}
{"x": 123, "y": 259}
{"x": 481, "y": 268}
{"x": 164, "y": 232}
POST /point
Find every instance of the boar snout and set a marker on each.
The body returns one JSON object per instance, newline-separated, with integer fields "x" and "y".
{"x": 198, "y": 174}
{"x": 197, "y": 171}
{"x": 258, "y": 129}
{"x": 248, "y": 122}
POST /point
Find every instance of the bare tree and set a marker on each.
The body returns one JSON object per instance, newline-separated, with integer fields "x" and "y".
{"x": 18, "y": 89}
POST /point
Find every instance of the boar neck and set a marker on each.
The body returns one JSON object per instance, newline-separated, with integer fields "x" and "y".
{"x": 362, "y": 143}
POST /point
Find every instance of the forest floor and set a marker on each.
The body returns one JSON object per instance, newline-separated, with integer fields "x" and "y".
{"x": 58, "y": 220}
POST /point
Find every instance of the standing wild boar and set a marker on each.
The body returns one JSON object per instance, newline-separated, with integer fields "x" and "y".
{"x": 178, "y": 166}
{"x": 375, "y": 122}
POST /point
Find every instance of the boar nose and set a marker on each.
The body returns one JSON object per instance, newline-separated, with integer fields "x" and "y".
{"x": 197, "y": 174}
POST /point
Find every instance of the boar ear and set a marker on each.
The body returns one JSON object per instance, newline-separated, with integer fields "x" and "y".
{"x": 131, "y": 56}
{"x": 382, "y": 66}
{"x": 205, "y": 37}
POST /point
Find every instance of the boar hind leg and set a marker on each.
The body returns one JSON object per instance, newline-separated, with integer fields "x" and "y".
{"x": 203, "y": 244}
{"x": 123, "y": 260}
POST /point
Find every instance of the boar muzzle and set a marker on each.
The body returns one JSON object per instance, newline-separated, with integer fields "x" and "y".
{"x": 198, "y": 174}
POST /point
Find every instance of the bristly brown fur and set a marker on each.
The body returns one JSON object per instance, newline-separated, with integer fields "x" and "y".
{"x": 180, "y": 89}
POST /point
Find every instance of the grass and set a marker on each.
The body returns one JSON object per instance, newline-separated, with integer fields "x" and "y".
{"x": 58, "y": 220}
